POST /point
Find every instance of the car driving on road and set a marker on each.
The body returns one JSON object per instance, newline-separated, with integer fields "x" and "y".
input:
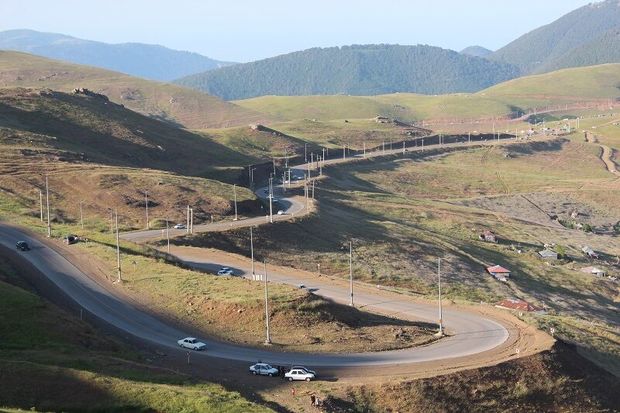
{"x": 22, "y": 246}
{"x": 192, "y": 344}
{"x": 225, "y": 271}
{"x": 299, "y": 374}
{"x": 180, "y": 226}
{"x": 263, "y": 369}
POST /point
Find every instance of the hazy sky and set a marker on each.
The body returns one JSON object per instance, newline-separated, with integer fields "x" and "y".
{"x": 245, "y": 30}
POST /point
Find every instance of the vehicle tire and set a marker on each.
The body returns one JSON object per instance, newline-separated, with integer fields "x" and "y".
{"x": 270, "y": 374}
{"x": 307, "y": 378}
{"x": 254, "y": 373}
{"x": 290, "y": 379}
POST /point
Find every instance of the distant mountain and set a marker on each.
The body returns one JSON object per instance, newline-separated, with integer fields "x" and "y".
{"x": 137, "y": 59}
{"x": 476, "y": 51}
{"x": 564, "y": 43}
{"x": 354, "y": 70}
{"x": 603, "y": 49}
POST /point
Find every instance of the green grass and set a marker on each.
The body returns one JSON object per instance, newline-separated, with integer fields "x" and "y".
{"x": 52, "y": 361}
{"x": 560, "y": 87}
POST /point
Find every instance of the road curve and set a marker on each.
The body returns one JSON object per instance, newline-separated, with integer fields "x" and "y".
{"x": 470, "y": 333}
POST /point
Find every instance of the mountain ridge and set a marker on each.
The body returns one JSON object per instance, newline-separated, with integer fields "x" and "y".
{"x": 153, "y": 62}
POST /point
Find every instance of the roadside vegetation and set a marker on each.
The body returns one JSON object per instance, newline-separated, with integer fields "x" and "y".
{"x": 50, "y": 360}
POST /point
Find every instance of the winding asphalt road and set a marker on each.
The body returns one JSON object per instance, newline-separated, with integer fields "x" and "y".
{"x": 469, "y": 333}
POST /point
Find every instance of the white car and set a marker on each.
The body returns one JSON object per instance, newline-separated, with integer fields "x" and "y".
{"x": 300, "y": 373}
{"x": 280, "y": 212}
{"x": 263, "y": 369}
{"x": 225, "y": 271}
{"x": 192, "y": 344}
{"x": 180, "y": 226}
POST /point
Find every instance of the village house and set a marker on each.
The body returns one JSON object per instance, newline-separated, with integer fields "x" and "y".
{"x": 500, "y": 273}
{"x": 548, "y": 254}
{"x": 488, "y": 236}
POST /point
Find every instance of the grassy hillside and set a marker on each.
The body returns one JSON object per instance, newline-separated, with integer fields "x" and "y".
{"x": 136, "y": 59}
{"x": 518, "y": 95}
{"x": 403, "y": 212}
{"x": 52, "y": 361}
{"x": 172, "y": 103}
{"x": 532, "y": 51}
{"x": 85, "y": 128}
{"x": 354, "y": 70}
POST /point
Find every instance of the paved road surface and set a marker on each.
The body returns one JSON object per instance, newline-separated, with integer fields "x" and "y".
{"x": 472, "y": 333}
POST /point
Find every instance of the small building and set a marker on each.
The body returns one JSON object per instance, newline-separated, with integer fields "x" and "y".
{"x": 500, "y": 273}
{"x": 488, "y": 236}
{"x": 589, "y": 252}
{"x": 548, "y": 254}
{"x": 518, "y": 305}
{"x": 593, "y": 270}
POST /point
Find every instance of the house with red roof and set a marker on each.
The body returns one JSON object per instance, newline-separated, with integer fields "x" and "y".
{"x": 500, "y": 273}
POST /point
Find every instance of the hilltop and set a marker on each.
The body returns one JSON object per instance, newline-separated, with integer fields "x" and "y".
{"x": 476, "y": 51}
{"x": 354, "y": 70}
{"x": 136, "y": 59}
{"x": 561, "y": 43}
{"x": 172, "y": 103}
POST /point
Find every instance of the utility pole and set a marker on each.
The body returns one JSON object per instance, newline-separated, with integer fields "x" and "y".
{"x": 268, "y": 337}
{"x": 81, "y": 215}
{"x": 404, "y": 147}
{"x": 191, "y": 220}
{"x": 168, "y": 234}
{"x": 47, "y": 200}
{"x": 364, "y": 143}
{"x": 274, "y": 165}
{"x": 187, "y": 225}
{"x": 235, "y": 195}
{"x": 344, "y": 152}
{"x": 383, "y": 147}
{"x": 271, "y": 199}
{"x": 146, "y": 206}
{"x": 305, "y": 152}
{"x": 351, "y": 272}
{"x": 321, "y": 167}
{"x": 312, "y": 189}
{"x": 41, "y": 203}
{"x": 323, "y": 157}
{"x": 118, "y": 248}
{"x": 252, "y": 253}
{"x": 440, "y": 332}
{"x": 469, "y": 137}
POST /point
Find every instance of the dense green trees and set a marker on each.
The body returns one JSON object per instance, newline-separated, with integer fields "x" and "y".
{"x": 354, "y": 70}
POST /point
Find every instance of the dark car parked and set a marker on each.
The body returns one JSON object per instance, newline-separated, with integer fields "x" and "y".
{"x": 22, "y": 246}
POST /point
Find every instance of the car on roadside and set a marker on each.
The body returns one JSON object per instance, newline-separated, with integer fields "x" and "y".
{"x": 280, "y": 212}
{"x": 71, "y": 239}
{"x": 299, "y": 373}
{"x": 263, "y": 369}
{"x": 225, "y": 271}
{"x": 180, "y": 226}
{"x": 22, "y": 246}
{"x": 192, "y": 344}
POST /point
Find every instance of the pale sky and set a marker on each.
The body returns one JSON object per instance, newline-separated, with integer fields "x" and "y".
{"x": 246, "y": 30}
